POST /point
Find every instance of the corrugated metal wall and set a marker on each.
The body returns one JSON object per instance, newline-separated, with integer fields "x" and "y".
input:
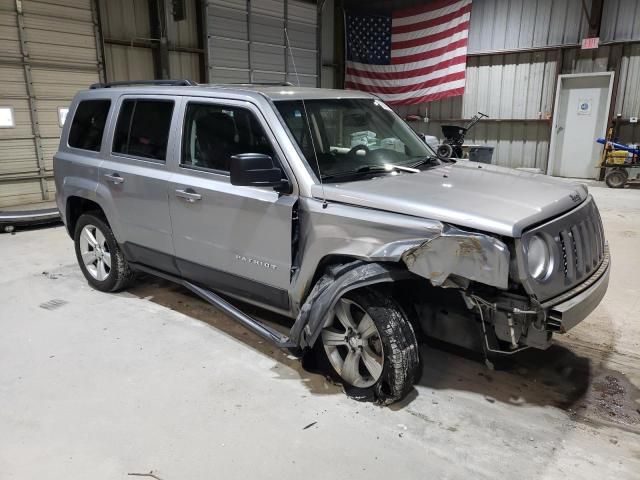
{"x": 130, "y": 43}
{"x": 124, "y": 20}
{"x": 512, "y": 24}
{"x": 621, "y": 20}
{"x": 517, "y": 89}
{"x": 47, "y": 53}
{"x": 247, "y": 41}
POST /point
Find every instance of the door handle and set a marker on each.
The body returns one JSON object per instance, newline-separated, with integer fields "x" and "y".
{"x": 189, "y": 195}
{"x": 114, "y": 178}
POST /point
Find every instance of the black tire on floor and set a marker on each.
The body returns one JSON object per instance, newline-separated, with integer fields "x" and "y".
{"x": 119, "y": 274}
{"x": 616, "y": 178}
{"x": 401, "y": 363}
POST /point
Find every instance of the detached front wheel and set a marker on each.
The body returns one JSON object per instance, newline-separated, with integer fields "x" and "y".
{"x": 371, "y": 346}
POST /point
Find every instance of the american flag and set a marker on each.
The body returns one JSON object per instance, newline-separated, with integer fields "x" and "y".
{"x": 411, "y": 56}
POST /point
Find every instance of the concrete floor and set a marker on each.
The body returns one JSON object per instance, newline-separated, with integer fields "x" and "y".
{"x": 99, "y": 386}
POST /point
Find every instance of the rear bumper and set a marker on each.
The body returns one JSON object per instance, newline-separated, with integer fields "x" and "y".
{"x": 567, "y": 310}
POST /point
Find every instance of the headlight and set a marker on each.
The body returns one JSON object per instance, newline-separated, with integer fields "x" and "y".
{"x": 538, "y": 258}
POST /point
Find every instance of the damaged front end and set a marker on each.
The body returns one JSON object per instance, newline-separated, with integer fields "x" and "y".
{"x": 451, "y": 259}
{"x": 480, "y": 308}
{"x": 456, "y": 258}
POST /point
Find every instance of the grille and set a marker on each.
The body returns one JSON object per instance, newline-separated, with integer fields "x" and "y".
{"x": 578, "y": 247}
{"x": 582, "y": 247}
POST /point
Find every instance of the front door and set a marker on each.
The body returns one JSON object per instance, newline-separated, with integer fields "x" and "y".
{"x": 582, "y": 108}
{"x": 233, "y": 239}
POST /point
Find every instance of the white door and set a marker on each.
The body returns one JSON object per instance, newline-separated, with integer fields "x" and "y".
{"x": 582, "y": 107}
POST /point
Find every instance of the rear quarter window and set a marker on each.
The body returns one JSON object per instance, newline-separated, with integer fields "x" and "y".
{"x": 88, "y": 124}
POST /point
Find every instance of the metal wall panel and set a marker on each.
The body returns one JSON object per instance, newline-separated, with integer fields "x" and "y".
{"x": 586, "y": 61}
{"x": 128, "y": 63}
{"x": 620, "y": 20}
{"x": 628, "y": 97}
{"x": 129, "y": 46}
{"x": 47, "y": 53}
{"x": 512, "y": 24}
{"x": 125, "y": 19}
{"x": 328, "y": 45}
{"x": 188, "y": 64}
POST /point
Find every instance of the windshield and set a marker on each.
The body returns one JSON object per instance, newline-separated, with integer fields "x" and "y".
{"x": 351, "y": 135}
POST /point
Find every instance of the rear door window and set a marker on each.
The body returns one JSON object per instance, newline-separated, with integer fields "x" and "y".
{"x": 88, "y": 124}
{"x": 143, "y": 128}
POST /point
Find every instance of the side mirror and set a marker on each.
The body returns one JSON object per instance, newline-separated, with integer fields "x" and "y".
{"x": 255, "y": 170}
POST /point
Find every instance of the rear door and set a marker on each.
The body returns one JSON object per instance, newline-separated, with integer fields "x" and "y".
{"x": 232, "y": 239}
{"x": 134, "y": 177}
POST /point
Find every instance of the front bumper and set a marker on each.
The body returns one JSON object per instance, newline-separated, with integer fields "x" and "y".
{"x": 567, "y": 310}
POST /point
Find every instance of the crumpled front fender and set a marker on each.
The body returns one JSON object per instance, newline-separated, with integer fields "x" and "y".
{"x": 338, "y": 281}
{"x": 471, "y": 256}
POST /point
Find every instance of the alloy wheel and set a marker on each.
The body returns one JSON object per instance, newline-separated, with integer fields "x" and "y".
{"x": 353, "y": 346}
{"x": 95, "y": 252}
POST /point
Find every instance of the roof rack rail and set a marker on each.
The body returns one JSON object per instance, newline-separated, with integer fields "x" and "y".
{"x": 125, "y": 83}
{"x": 255, "y": 84}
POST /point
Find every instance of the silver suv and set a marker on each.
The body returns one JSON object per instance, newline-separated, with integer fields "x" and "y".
{"x": 325, "y": 207}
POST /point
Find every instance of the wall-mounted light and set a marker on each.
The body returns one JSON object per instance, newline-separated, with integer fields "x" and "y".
{"x": 7, "y": 118}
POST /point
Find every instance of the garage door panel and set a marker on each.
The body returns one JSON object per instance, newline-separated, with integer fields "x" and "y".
{"x": 19, "y": 192}
{"x": 12, "y": 83}
{"x": 267, "y": 30}
{"x": 267, "y": 57}
{"x": 49, "y": 148}
{"x": 224, "y": 75}
{"x": 268, "y": 77}
{"x": 22, "y": 119}
{"x": 224, "y": 22}
{"x": 17, "y": 156}
{"x": 302, "y": 35}
{"x": 61, "y": 53}
{"x": 272, "y": 8}
{"x": 61, "y": 84}
{"x": 302, "y": 11}
{"x": 305, "y": 61}
{"x": 80, "y": 55}
{"x": 229, "y": 53}
{"x": 73, "y": 10}
{"x": 9, "y": 41}
{"x": 57, "y": 25}
{"x": 48, "y": 117}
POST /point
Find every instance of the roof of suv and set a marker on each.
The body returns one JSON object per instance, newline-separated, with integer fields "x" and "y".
{"x": 273, "y": 92}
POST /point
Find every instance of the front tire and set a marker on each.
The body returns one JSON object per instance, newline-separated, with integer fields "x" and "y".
{"x": 616, "y": 178}
{"x": 99, "y": 256}
{"x": 370, "y": 345}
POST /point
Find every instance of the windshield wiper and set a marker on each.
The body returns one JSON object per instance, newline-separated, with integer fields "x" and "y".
{"x": 367, "y": 169}
{"x": 432, "y": 159}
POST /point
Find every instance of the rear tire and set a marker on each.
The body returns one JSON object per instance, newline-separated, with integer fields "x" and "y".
{"x": 371, "y": 347}
{"x": 99, "y": 256}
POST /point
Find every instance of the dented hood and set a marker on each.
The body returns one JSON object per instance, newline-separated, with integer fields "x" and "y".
{"x": 489, "y": 198}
